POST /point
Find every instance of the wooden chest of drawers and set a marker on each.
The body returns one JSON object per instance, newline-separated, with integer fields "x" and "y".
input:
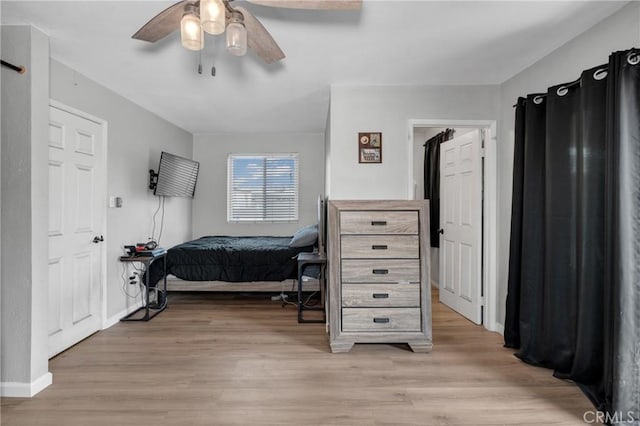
{"x": 379, "y": 289}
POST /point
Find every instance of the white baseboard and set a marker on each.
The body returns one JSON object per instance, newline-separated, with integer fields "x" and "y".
{"x": 498, "y": 328}
{"x": 114, "y": 319}
{"x": 25, "y": 390}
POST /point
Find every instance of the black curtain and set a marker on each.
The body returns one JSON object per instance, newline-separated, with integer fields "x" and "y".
{"x": 432, "y": 181}
{"x": 573, "y": 302}
{"x": 622, "y": 235}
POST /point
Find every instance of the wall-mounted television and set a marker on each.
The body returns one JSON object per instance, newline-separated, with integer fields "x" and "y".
{"x": 176, "y": 176}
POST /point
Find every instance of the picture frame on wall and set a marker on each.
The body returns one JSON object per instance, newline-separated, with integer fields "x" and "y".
{"x": 370, "y": 147}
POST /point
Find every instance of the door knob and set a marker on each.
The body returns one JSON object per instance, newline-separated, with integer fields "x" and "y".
{"x": 441, "y": 231}
{"x": 98, "y": 239}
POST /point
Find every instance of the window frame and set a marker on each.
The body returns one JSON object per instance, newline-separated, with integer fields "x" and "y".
{"x": 279, "y": 155}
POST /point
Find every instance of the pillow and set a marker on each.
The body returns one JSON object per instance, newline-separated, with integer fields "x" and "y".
{"x": 305, "y": 236}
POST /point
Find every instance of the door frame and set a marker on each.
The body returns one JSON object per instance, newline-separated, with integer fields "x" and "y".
{"x": 103, "y": 247}
{"x": 490, "y": 205}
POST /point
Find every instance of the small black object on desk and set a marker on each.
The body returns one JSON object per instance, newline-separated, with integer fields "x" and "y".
{"x": 161, "y": 302}
{"x": 306, "y": 259}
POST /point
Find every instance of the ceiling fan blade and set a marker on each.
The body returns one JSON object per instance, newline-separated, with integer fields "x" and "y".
{"x": 259, "y": 40}
{"x": 312, "y": 4}
{"x": 161, "y": 25}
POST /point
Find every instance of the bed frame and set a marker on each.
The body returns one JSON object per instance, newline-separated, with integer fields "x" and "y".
{"x": 176, "y": 284}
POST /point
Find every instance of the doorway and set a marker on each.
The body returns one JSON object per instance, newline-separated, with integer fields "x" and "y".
{"x": 421, "y": 130}
{"x": 77, "y": 187}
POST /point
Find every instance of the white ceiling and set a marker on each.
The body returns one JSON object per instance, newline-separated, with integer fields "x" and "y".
{"x": 385, "y": 43}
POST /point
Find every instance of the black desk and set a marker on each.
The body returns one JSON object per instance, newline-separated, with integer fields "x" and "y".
{"x": 161, "y": 302}
{"x": 305, "y": 259}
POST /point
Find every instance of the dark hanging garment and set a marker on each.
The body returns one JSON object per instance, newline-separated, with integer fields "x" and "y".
{"x": 534, "y": 343}
{"x": 434, "y": 191}
{"x": 426, "y": 170}
{"x": 622, "y": 236}
{"x": 512, "y": 320}
{"x": 432, "y": 182}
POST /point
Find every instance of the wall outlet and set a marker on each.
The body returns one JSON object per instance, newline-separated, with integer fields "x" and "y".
{"x": 115, "y": 202}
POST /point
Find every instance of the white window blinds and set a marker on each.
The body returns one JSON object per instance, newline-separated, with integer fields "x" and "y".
{"x": 262, "y": 187}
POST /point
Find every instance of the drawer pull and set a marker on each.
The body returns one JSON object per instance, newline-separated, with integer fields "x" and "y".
{"x": 378, "y": 223}
{"x": 380, "y": 271}
{"x": 380, "y": 295}
{"x": 379, "y": 247}
{"x": 381, "y": 320}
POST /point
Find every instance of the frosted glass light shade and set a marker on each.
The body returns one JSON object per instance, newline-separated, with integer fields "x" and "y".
{"x": 191, "y": 32}
{"x": 236, "y": 39}
{"x": 212, "y": 16}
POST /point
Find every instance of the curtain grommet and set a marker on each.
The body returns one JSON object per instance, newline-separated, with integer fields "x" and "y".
{"x": 538, "y": 100}
{"x": 562, "y": 90}
{"x": 633, "y": 58}
{"x": 600, "y": 74}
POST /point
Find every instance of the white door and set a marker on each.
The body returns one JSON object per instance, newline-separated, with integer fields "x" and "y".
{"x": 461, "y": 225}
{"x": 76, "y": 196}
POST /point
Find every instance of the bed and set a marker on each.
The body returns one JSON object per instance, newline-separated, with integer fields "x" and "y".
{"x": 224, "y": 263}
{"x": 231, "y": 260}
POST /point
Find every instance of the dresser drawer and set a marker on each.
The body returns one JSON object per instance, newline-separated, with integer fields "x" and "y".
{"x": 379, "y": 222}
{"x": 380, "y": 271}
{"x": 380, "y": 246}
{"x": 381, "y": 295}
{"x": 381, "y": 319}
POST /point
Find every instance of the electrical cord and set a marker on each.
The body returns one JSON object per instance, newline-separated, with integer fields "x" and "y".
{"x": 157, "y": 293}
{"x": 153, "y": 232}
{"x": 161, "y": 221}
{"x": 305, "y": 303}
{"x": 284, "y": 297}
{"x": 125, "y": 282}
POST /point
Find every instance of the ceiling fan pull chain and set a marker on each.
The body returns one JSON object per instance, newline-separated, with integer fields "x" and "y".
{"x": 213, "y": 58}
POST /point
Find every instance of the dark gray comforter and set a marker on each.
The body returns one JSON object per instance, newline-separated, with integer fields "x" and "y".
{"x": 232, "y": 259}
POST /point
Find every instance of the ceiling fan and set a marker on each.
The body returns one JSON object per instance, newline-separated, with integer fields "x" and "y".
{"x": 243, "y": 30}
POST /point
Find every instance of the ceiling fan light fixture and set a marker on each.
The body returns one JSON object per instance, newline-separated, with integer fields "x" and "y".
{"x": 212, "y": 16}
{"x": 191, "y": 33}
{"x": 237, "y": 35}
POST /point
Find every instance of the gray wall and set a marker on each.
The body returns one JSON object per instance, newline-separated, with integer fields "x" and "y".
{"x": 387, "y": 109}
{"x": 136, "y": 138}
{"x": 24, "y": 218}
{"x": 210, "y": 203}
{"x": 620, "y": 31}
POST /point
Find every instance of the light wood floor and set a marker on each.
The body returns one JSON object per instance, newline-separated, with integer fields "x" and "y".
{"x": 213, "y": 359}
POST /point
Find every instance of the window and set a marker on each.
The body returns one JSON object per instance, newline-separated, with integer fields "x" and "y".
{"x": 262, "y": 188}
